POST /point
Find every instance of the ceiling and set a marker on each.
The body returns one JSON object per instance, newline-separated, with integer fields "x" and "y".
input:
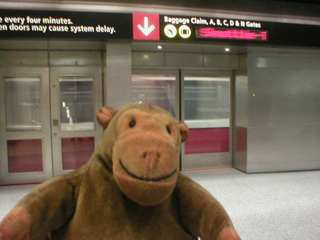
{"x": 308, "y": 8}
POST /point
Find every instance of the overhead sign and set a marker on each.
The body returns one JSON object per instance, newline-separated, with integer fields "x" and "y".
{"x": 201, "y": 28}
{"x": 146, "y": 26}
{"x": 25, "y": 23}
{"x": 153, "y": 27}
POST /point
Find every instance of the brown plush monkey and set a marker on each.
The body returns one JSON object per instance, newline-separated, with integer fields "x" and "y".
{"x": 131, "y": 189}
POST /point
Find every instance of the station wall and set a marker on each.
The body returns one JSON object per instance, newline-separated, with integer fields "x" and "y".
{"x": 277, "y": 113}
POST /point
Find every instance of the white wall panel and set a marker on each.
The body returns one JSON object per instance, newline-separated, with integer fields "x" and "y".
{"x": 75, "y": 58}
{"x": 23, "y": 58}
{"x": 243, "y": 61}
{"x": 147, "y": 59}
{"x": 224, "y": 61}
{"x": 183, "y": 60}
{"x": 118, "y": 77}
{"x": 285, "y": 60}
{"x": 27, "y": 44}
{"x": 76, "y": 45}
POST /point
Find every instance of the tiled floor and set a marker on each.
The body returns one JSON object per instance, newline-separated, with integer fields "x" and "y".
{"x": 273, "y": 206}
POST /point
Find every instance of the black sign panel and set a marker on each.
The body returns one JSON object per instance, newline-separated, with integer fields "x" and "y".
{"x": 296, "y": 34}
{"x": 203, "y": 28}
{"x": 59, "y": 24}
{"x": 148, "y": 27}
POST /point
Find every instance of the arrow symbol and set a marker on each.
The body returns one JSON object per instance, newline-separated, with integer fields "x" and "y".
{"x": 146, "y": 30}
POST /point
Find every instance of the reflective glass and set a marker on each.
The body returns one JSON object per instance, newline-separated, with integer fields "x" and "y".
{"x": 76, "y": 103}
{"x": 206, "y": 98}
{"x": 23, "y": 104}
{"x": 156, "y": 89}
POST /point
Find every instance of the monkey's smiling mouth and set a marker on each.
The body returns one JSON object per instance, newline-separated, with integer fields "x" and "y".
{"x": 146, "y": 179}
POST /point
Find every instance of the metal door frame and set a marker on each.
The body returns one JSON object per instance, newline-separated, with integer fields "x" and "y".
{"x": 55, "y": 72}
{"x": 44, "y": 134}
{"x": 205, "y": 161}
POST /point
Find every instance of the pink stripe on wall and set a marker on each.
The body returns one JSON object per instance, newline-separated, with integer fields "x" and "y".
{"x": 211, "y": 140}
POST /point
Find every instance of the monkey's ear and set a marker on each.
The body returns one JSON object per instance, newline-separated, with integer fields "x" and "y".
{"x": 105, "y": 115}
{"x": 184, "y": 131}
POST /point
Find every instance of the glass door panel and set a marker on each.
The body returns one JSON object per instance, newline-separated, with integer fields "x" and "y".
{"x": 23, "y": 105}
{"x": 206, "y": 110}
{"x": 25, "y": 137}
{"x": 157, "y": 87}
{"x": 76, "y": 103}
{"x": 76, "y": 96}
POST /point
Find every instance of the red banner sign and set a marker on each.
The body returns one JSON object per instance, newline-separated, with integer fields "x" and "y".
{"x": 146, "y": 26}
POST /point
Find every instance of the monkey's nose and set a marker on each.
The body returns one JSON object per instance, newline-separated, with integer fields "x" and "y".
{"x": 151, "y": 155}
{"x": 151, "y": 159}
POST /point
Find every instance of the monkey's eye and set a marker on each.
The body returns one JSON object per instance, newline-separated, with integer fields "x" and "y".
{"x": 168, "y": 130}
{"x": 132, "y": 123}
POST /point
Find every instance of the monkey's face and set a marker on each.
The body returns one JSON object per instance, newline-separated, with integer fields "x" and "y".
{"x": 145, "y": 155}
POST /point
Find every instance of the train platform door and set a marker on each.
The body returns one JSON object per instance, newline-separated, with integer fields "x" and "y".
{"x": 76, "y": 96}
{"x": 206, "y": 108}
{"x": 25, "y": 125}
{"x": 48, "y": 125}
{"x": 200, "y": 98}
